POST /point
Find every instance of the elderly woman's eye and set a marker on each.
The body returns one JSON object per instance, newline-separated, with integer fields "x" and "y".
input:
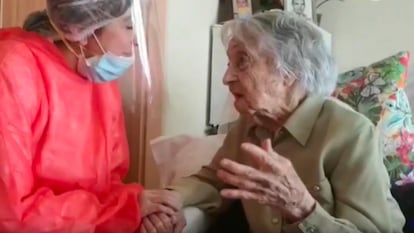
{"x": 243, "y": 62}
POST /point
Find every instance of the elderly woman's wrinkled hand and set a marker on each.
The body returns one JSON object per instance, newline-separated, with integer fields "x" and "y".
{"x": 157, "y": 223}
{"x": 163, "y": 223}
{"x": 272, "y": 181}
{"x": 161, "y": 212}
{"x": 153, "y": 201}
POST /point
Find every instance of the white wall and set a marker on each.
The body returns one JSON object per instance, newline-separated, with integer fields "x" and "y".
{"x": 187, "y": 61}
{"x": 365, "y": 31}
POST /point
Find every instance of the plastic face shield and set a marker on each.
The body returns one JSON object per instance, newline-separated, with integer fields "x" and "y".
{"x": 80, "y": 20}
{"x": 143, "y": 89}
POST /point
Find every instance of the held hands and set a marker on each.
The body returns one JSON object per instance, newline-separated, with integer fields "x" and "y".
{"x": 271, "y": 181}
{"x": 163, "y": 223}
{"x": 153, "y": 201}
{"x": 161, "y": 212}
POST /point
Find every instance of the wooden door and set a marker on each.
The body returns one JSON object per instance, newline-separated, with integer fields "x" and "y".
{"x": 143, "y": 112}
{"x": 14, "y": 12}
{"x": 1, "y": 13}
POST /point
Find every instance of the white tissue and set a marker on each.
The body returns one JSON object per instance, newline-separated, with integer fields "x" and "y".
{"x": 183, "y": 155}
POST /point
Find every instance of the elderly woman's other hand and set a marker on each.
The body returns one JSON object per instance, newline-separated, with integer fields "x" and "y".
{"x": 154, "y": 201}
{"x": 162, "y": 212}
{"x": 163, "y": 223}
{"x": 157, "y": 223}
{"x": 272, "y": 181}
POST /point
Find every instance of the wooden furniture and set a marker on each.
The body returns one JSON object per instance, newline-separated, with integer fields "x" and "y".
{"x": 13, "y": 12}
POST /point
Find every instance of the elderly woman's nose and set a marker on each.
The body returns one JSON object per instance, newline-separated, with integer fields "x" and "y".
{"x": 229, "y": 77}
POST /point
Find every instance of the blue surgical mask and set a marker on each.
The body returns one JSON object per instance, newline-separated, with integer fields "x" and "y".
{"x": 105, "y": 68}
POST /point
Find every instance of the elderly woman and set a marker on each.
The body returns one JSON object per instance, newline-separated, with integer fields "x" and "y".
{"x": 299, "y": 160}
{"x": 63, "y": 146}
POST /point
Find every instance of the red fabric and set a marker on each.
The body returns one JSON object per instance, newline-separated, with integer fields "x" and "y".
{"x": 63, "y": 149}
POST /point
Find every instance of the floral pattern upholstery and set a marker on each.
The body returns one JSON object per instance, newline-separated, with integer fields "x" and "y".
{"x": 377, "y": 91}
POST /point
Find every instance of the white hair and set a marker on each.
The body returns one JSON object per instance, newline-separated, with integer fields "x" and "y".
{"x": 293, "y": 46}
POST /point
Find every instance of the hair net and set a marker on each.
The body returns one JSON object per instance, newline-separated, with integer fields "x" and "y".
{"x": 77, "y": 19}
{"x": 39, "y": 22}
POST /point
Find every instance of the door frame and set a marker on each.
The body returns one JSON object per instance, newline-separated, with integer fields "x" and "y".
{"x": 1, "y": 13}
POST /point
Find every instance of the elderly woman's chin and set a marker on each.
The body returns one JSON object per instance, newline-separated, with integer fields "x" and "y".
{"x": 242, "y": 107}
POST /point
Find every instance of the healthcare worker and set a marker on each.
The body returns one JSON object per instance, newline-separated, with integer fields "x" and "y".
{"x": 63, "y": 149}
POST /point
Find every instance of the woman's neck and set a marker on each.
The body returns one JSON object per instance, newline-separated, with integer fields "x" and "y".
{"x": 70, "y": 58}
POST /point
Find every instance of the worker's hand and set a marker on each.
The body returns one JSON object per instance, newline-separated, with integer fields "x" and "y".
{"x": 163, "y": 223}
{"x": 157, "y": 223}
{"x": 180, "y": 223}
{"x": 159, "y": 201}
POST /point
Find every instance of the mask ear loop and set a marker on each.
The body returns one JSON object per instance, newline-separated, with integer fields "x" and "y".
{"x": 99, "y": 43}
{"x": 65, "y": 41}
{"x": 82, "y": 50}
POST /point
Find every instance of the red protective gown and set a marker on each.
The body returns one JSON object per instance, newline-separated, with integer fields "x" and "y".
{"x": 63, "y": 149}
